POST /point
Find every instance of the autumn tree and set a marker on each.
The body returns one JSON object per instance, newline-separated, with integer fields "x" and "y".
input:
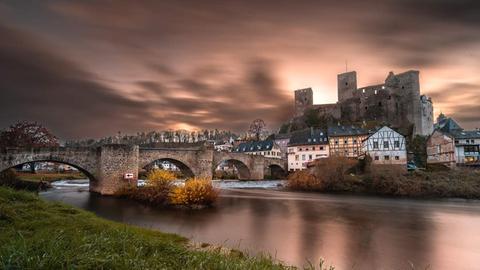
{"x": 27, "y": 134}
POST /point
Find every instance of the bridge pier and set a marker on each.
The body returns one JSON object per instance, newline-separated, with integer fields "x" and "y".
{"x": 114, "y": 161}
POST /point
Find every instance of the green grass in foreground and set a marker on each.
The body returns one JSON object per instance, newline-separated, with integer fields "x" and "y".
{"x": 35, "y": 234}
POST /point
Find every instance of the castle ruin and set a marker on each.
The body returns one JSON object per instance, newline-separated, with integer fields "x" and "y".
{"x": 397, "y": 102}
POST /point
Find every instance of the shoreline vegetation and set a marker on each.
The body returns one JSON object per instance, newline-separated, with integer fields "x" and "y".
{"x": 36, "y": 234}
{"x": 161, "y": 190}
{"x": 347, "y": 176}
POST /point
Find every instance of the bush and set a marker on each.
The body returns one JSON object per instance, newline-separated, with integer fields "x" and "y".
{"x": 196, "y": 191}
{"x": 156, "y": 191}
{"x": 304, "y": 180}
{"x": 160, "y": 178}
{"x": 332, "y": 171}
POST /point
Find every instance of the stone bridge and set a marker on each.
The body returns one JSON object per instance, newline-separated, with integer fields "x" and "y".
{"x": 107, "y": 165}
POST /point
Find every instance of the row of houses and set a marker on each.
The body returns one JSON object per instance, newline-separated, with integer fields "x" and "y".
{"x": 385, "y": 146}
{"x": 451, "y": 145}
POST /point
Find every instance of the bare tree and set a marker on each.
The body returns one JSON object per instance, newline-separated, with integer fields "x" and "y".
{"x": 257, "y": 127}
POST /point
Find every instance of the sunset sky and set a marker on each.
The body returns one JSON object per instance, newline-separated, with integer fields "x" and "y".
{"x": 92, "y": 68}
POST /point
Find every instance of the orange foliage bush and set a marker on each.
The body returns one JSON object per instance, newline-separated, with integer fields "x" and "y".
{"x": 196, "y": 191}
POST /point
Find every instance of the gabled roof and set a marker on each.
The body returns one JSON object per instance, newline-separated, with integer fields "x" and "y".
{"x": 346, "y": 131}
{"x": 254, "y": 146}
{"x": 309, "y": 136}
{"x": 383, "y": 128}
{"x": 447, "y": 124}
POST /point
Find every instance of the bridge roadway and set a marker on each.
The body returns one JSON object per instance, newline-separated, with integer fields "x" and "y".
{"x": 107, "y": 165}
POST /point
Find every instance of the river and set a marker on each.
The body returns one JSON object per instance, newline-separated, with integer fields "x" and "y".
{"x": 349, "y": 232}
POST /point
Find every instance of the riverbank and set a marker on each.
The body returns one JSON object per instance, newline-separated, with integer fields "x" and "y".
{"x": 346, "y": 176}
{"x": 49, "y": 176}
{"x": 36, "y": 234}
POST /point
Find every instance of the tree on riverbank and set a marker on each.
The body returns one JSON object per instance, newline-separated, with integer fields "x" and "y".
{"x": 27, "y": 134}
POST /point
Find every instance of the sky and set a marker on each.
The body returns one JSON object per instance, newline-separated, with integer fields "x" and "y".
{"x": 93, "y": 68}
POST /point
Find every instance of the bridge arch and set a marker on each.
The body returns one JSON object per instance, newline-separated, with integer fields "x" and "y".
{"x": 275, "y": 171}
{"x": 86, "y": 172}
{"x": 186, "y": 171}
{"x": 243, "y": 172}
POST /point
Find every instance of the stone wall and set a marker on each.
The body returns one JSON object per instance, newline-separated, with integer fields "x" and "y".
{"x": 114, "y": 162}
{"x": 397, "y": 102}
{"x": 107, "y": 165}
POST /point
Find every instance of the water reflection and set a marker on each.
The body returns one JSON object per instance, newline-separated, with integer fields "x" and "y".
{"x": 349, "y": 232}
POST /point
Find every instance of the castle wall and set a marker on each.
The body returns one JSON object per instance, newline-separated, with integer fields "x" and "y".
{"x": 303, "y": 100}
{"x": 396, "y": 102}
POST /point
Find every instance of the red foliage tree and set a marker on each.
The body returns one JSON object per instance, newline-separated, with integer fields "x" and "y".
{"x": 27, "y": 134}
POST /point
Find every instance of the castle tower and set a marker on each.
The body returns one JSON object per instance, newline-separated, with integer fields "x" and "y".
{"x": 346, "y": 85}
{"x": 303, "y": 100}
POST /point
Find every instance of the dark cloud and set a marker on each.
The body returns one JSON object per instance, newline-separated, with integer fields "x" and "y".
{"x": 38, "y": 85}
{"x": 130, "y": 66}
{"x": 422, "y": 33}
{"x": 45, "y": 87}
{"x": 466, "y": 94}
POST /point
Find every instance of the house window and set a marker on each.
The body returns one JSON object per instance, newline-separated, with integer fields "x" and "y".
{"x": 336, "y": 142}
{"x": 303, "y": 157}
{"x": 386, "y": 157}
{"x": 375, "y": 145}
{"x": 321, "y": 147}
{"x": 396, "y": 144}
{"x": 313, "y": 148}
{"x": 385, "y": 144}
{"x": 296, "y": 157}
{"x": 397, "y": 158}
{"x": 306, "y": 149}
{"x": 310, "y": 157}
{"x": 377, "y": 158}
{"x": 345, "y": 141}
{"x": 300, "y": 149}
{"x": 354, "y": 141}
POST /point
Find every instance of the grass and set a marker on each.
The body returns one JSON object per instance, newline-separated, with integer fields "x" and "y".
{"x": 35, "y": 234}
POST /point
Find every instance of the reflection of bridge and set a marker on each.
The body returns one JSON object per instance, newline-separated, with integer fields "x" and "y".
{"x": 107, "y": 165}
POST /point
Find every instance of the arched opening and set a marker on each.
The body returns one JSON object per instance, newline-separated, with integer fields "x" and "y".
{"x": 181, "y": 170}
{"x": 275, "y": 172}
{"x": 231, "y": 169}
{"x": 45, "y": 173}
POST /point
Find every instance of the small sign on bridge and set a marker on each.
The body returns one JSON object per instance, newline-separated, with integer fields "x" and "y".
{"x": 128, "y": 176}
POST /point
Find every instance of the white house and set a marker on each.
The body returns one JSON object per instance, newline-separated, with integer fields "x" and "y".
{"x": 223, "y": 146}
{"x": 305, "y": 147}
{"x": 386, "y": 146}
{"x": 467, "y": 146}
{"x": 266, "y": 148}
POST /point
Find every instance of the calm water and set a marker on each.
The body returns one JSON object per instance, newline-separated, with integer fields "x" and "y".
{"x": 350, "y": 232}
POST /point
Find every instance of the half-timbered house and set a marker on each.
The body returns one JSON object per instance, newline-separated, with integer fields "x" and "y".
{"x": 386, "y": 146}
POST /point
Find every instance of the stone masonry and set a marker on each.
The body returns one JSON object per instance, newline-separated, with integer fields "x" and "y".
{"x": 396, "y": 102}
{"x": 106, "y": 166}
